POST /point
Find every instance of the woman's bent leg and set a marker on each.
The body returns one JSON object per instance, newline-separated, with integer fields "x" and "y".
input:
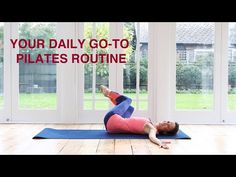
{"x": 122, "y": 108}
{"x": 129, "y": 112}
{"x": 116, "y": 98}
{"x": 119, "y": 109}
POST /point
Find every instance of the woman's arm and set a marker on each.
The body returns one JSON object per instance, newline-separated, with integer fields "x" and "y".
{"x": 151, "y": 131}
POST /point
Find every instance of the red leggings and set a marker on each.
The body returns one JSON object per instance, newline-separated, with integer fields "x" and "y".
{"x": 122, "y": 106}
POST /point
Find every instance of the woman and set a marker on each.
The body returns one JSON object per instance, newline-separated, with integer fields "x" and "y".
{"x": 119, "y": 120}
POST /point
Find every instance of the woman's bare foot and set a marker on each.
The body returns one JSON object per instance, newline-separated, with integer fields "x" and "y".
{"x": 105, "y": 90}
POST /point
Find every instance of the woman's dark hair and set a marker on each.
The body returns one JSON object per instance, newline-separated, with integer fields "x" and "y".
{"x": 173, "y": 131}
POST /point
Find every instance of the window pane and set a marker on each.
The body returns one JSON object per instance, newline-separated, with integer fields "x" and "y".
{"x": 102, "y": 69}
{"x": 1, "y": 64}
{"x": 88, "y": 68}
{"x": 102, "y": 105}
{"x": 143, "y": 48}
{"x": 95, "y": 74}
{"x": 129, "y": 76}
{"x": 194, "y": 65}
{"x": 37, "y": 81}
{"x": 135, "y": 70}
{"x": 232, "y": 67}
{"x": 88, "y": 104}
{"x": 143, "y": 105}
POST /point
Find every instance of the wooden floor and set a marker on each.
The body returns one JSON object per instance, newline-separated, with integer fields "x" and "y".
{"x": 206, "y": 139}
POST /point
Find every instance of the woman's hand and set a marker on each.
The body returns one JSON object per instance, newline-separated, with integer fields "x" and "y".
{"x": 151, "y": 130}
{"x": 164, "y": 144}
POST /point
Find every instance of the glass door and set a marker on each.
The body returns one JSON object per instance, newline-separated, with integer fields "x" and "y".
{"x": 34, "y": 85}
{"x": 92, "y": 105}
{"x": 130, "y": 78}
{"x": 5, "y": 79}
{"x": 1, "y": 65}
{"x": 135, "y": 70}
{"x": 197, "y": 73}
{"x": 229, "y": 73}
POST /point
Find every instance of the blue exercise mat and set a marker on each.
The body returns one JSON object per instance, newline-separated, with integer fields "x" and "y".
{"x": 50, "y": 133}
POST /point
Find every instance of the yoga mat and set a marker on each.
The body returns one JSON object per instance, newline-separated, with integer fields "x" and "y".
{"x": 50, "y": 133}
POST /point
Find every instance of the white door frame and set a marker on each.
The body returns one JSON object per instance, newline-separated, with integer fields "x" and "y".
{"x": 6, "y": 111}
{"x": 161, "y": 70}
{"x": 220, "y": 113}
{"x": 228, "y": 116}
{"x": 196, "y": 116}
{"x": 24, "y": 115}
